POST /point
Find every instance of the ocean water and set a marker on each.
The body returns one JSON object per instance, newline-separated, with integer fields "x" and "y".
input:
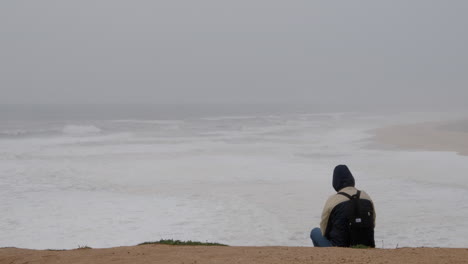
{"x": 106, "y": 176}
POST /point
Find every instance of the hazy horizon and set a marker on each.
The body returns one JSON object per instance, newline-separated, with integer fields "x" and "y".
{"x": 392, "y": 54}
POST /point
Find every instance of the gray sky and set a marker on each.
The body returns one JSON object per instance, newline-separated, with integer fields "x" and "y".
{"x": 249, "y": 51}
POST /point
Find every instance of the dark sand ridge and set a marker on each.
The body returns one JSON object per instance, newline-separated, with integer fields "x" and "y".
{"x": 214, "y": 254}
{"x": 430, "y": 136}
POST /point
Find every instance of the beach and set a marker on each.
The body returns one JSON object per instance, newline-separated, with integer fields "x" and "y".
{"x": 428, "y": 136}
{"x": 206, "y": 254}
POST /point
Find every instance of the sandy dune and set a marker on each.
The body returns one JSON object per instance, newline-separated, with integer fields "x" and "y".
{"x": 204, "y": 254}
{"x": 431, "y": 136}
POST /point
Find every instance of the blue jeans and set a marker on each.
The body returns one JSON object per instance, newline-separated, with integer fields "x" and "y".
{"x": 318, "y": 239}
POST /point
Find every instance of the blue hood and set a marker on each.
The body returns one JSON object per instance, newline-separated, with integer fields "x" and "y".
{"x": 342, "y": 178}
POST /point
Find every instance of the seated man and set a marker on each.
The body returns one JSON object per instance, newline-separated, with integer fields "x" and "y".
{"x": 348, "y": 217}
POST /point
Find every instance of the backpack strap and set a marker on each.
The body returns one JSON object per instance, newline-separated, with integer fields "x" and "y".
{"x": 357, "y": 206}
{"x": 355, "y": 196}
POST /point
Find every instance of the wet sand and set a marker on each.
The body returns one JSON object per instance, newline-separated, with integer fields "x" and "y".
{"x": 206, "y": 254}
{"x": 431, "y": 136}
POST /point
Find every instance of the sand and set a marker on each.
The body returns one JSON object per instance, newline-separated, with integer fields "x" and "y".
{"x": 205, "y": 254}
{"x": 430, "y": 136}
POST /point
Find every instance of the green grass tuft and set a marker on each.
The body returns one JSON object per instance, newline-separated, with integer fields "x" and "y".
{"x": 83, "y": 247}
{"x": 360, "y": 246}
{"x": 181, "y": 243}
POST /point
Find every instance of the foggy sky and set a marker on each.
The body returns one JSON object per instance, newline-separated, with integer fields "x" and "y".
{"x": 242, "y": 51}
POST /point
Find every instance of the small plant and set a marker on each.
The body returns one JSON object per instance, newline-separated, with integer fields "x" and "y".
{"x": 360, "y": 246}
{"x": 181, "y": 243}
{"x": 83, "y": 247}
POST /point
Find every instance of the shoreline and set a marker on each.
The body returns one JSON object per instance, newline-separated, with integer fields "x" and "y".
{"x": 222, "y": 254}
{"x": 428, "y": 136}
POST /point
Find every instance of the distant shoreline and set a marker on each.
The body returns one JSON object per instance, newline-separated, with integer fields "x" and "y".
{"x": 429, "y": 136}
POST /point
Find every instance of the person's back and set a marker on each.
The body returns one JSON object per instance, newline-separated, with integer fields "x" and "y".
{"x": 336, "y": 229}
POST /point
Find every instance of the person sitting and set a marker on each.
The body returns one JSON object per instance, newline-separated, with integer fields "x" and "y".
{"x": 348, "y": 217}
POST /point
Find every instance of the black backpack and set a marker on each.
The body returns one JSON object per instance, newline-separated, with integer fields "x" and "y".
{"x": 360, "y": 220}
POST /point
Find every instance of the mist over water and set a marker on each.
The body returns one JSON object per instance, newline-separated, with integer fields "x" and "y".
{"x": 399, "y": 53}
{"x": 244, "y": 177}
{"x": 131, "y": 121}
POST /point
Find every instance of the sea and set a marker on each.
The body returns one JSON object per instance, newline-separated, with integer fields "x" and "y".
{"x": 242, "y": 175}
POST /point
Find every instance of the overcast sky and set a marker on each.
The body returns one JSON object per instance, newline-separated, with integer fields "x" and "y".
{"x": 242, "y": 51}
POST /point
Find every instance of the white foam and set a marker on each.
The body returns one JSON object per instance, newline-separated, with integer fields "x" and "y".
{"x": 263, "y": 184}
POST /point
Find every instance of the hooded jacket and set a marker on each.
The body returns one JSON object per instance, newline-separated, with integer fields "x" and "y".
{"x": 334, "y": 217}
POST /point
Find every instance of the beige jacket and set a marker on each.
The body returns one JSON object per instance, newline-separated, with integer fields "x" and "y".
{"x": 337, "y": 199}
